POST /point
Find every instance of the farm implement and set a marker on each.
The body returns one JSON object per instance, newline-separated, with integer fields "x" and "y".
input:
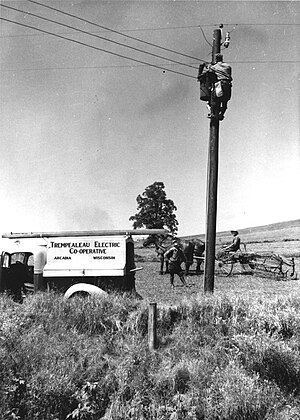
{"x": 266, "y": 264}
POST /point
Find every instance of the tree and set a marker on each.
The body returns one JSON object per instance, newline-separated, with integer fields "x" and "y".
{"x": 155, "y": 211}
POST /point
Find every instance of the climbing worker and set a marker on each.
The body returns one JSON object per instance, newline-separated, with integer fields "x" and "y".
{"x": 221, "y": 93}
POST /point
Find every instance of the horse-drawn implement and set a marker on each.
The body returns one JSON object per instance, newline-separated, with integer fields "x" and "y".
{"x": 227, "y": 263}
{"x": 262, "y": 264}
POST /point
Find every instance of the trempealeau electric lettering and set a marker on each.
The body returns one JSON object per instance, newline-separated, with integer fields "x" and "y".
{"x": 95, "y": 247}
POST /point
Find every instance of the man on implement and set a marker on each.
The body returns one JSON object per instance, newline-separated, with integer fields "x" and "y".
{"x": 233, "y": 247}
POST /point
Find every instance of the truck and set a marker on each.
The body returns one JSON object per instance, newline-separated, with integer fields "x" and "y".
{"x": 71, "y": 262}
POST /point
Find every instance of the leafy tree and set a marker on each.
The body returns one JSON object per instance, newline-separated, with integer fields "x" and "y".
{"x": 155, "y": 210}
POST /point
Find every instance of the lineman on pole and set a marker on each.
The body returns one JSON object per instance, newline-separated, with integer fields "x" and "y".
{"x": 215, "y": 86}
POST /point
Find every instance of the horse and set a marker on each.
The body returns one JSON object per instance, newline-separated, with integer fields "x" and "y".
{"x": 187, "y": 247}
{"x": 193, "y": 248}
{"x": 162, "y": 243}
{"x": 199, "y": 248}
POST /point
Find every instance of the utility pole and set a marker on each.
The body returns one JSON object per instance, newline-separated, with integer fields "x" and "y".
{"x": 212, "y": 185}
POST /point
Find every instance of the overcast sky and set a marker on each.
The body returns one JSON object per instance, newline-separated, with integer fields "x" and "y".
{"x": 83, "y": 132}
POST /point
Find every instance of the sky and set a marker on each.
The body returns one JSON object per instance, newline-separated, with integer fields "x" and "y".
{"x": 85, "y": 131}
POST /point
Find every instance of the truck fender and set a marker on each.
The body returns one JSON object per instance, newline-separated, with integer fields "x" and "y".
{"x": 84, "y": 289}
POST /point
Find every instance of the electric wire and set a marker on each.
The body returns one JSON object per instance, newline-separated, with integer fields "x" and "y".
{"x": 261, "y": 24}
{"x": 159, "y": 29}
{"x": 67, "y": 33}
{"x": 97, "y": 48}
{"x": 205, "y": 37}
{"x": 114, "y": 31}
{"x": 134, "y": 66}
{"x": 96, "y": 36}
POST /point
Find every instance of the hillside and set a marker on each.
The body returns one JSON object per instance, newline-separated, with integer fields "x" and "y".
{"x": 276, "y": 232}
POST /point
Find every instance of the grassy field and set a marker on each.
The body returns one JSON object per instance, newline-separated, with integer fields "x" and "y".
{"x": 218, "y": 358}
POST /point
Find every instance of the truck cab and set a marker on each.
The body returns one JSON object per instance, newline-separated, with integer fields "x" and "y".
{"x": 16, "y": 273}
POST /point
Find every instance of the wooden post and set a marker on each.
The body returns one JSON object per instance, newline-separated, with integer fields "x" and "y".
{"x": 152, "y": 321}
{"x": 212, "y": 188}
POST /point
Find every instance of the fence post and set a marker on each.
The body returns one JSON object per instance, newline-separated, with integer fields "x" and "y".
{"x": 152, "y": 321}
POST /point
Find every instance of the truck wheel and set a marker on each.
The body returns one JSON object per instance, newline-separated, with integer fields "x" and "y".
{"x": 84, "y": 290}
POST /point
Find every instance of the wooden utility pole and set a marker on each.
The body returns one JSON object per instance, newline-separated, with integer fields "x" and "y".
{"x": 212, "y": 186}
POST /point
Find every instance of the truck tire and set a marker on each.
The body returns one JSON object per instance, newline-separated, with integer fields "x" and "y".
{"x": 84, "y": 289}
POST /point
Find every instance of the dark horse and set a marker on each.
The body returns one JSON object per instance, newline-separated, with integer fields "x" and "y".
{"x": 192, "y": 249}
{"x": 162, "y": 243}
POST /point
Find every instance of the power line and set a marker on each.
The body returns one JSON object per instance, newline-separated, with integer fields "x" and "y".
{"x": 96, "y": 48}
{"x": 164, "y": 28}
{"x": 205, "y": 36}
{"x": 114, "y": 31}
{"x": 168, "y": 28}
{"x": 79, "y": 68}
{"x": 265, "y": 61}
{"x": 92, "y": 32}
{"x": 259, "y": 24}
{"x": 97, "y": 36}
{"x": 123, "y": 30}
{"x": 136, "y": 66}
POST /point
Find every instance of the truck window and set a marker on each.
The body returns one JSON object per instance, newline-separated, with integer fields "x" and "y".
{"x": 18, "y": 256}
{"x": 30, "y": 260}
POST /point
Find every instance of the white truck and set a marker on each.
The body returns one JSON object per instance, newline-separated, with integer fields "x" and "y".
{"x": 73, "y": 262}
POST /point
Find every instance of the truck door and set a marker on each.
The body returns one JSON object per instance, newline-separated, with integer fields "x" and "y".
{"x": 16, "y": 273}
{"x": 4, "y": 270}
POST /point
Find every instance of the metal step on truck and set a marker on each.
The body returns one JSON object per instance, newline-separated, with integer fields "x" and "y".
{"x": 74, "y": 263}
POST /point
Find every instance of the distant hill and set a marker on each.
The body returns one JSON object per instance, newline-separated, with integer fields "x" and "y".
{"x": 283, "y": 231}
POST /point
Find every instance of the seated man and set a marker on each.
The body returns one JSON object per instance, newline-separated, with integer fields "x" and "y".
{"x": 233, "y": 247}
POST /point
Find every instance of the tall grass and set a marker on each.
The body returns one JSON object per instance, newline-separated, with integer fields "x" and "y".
{"x": 218, "y": 358}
